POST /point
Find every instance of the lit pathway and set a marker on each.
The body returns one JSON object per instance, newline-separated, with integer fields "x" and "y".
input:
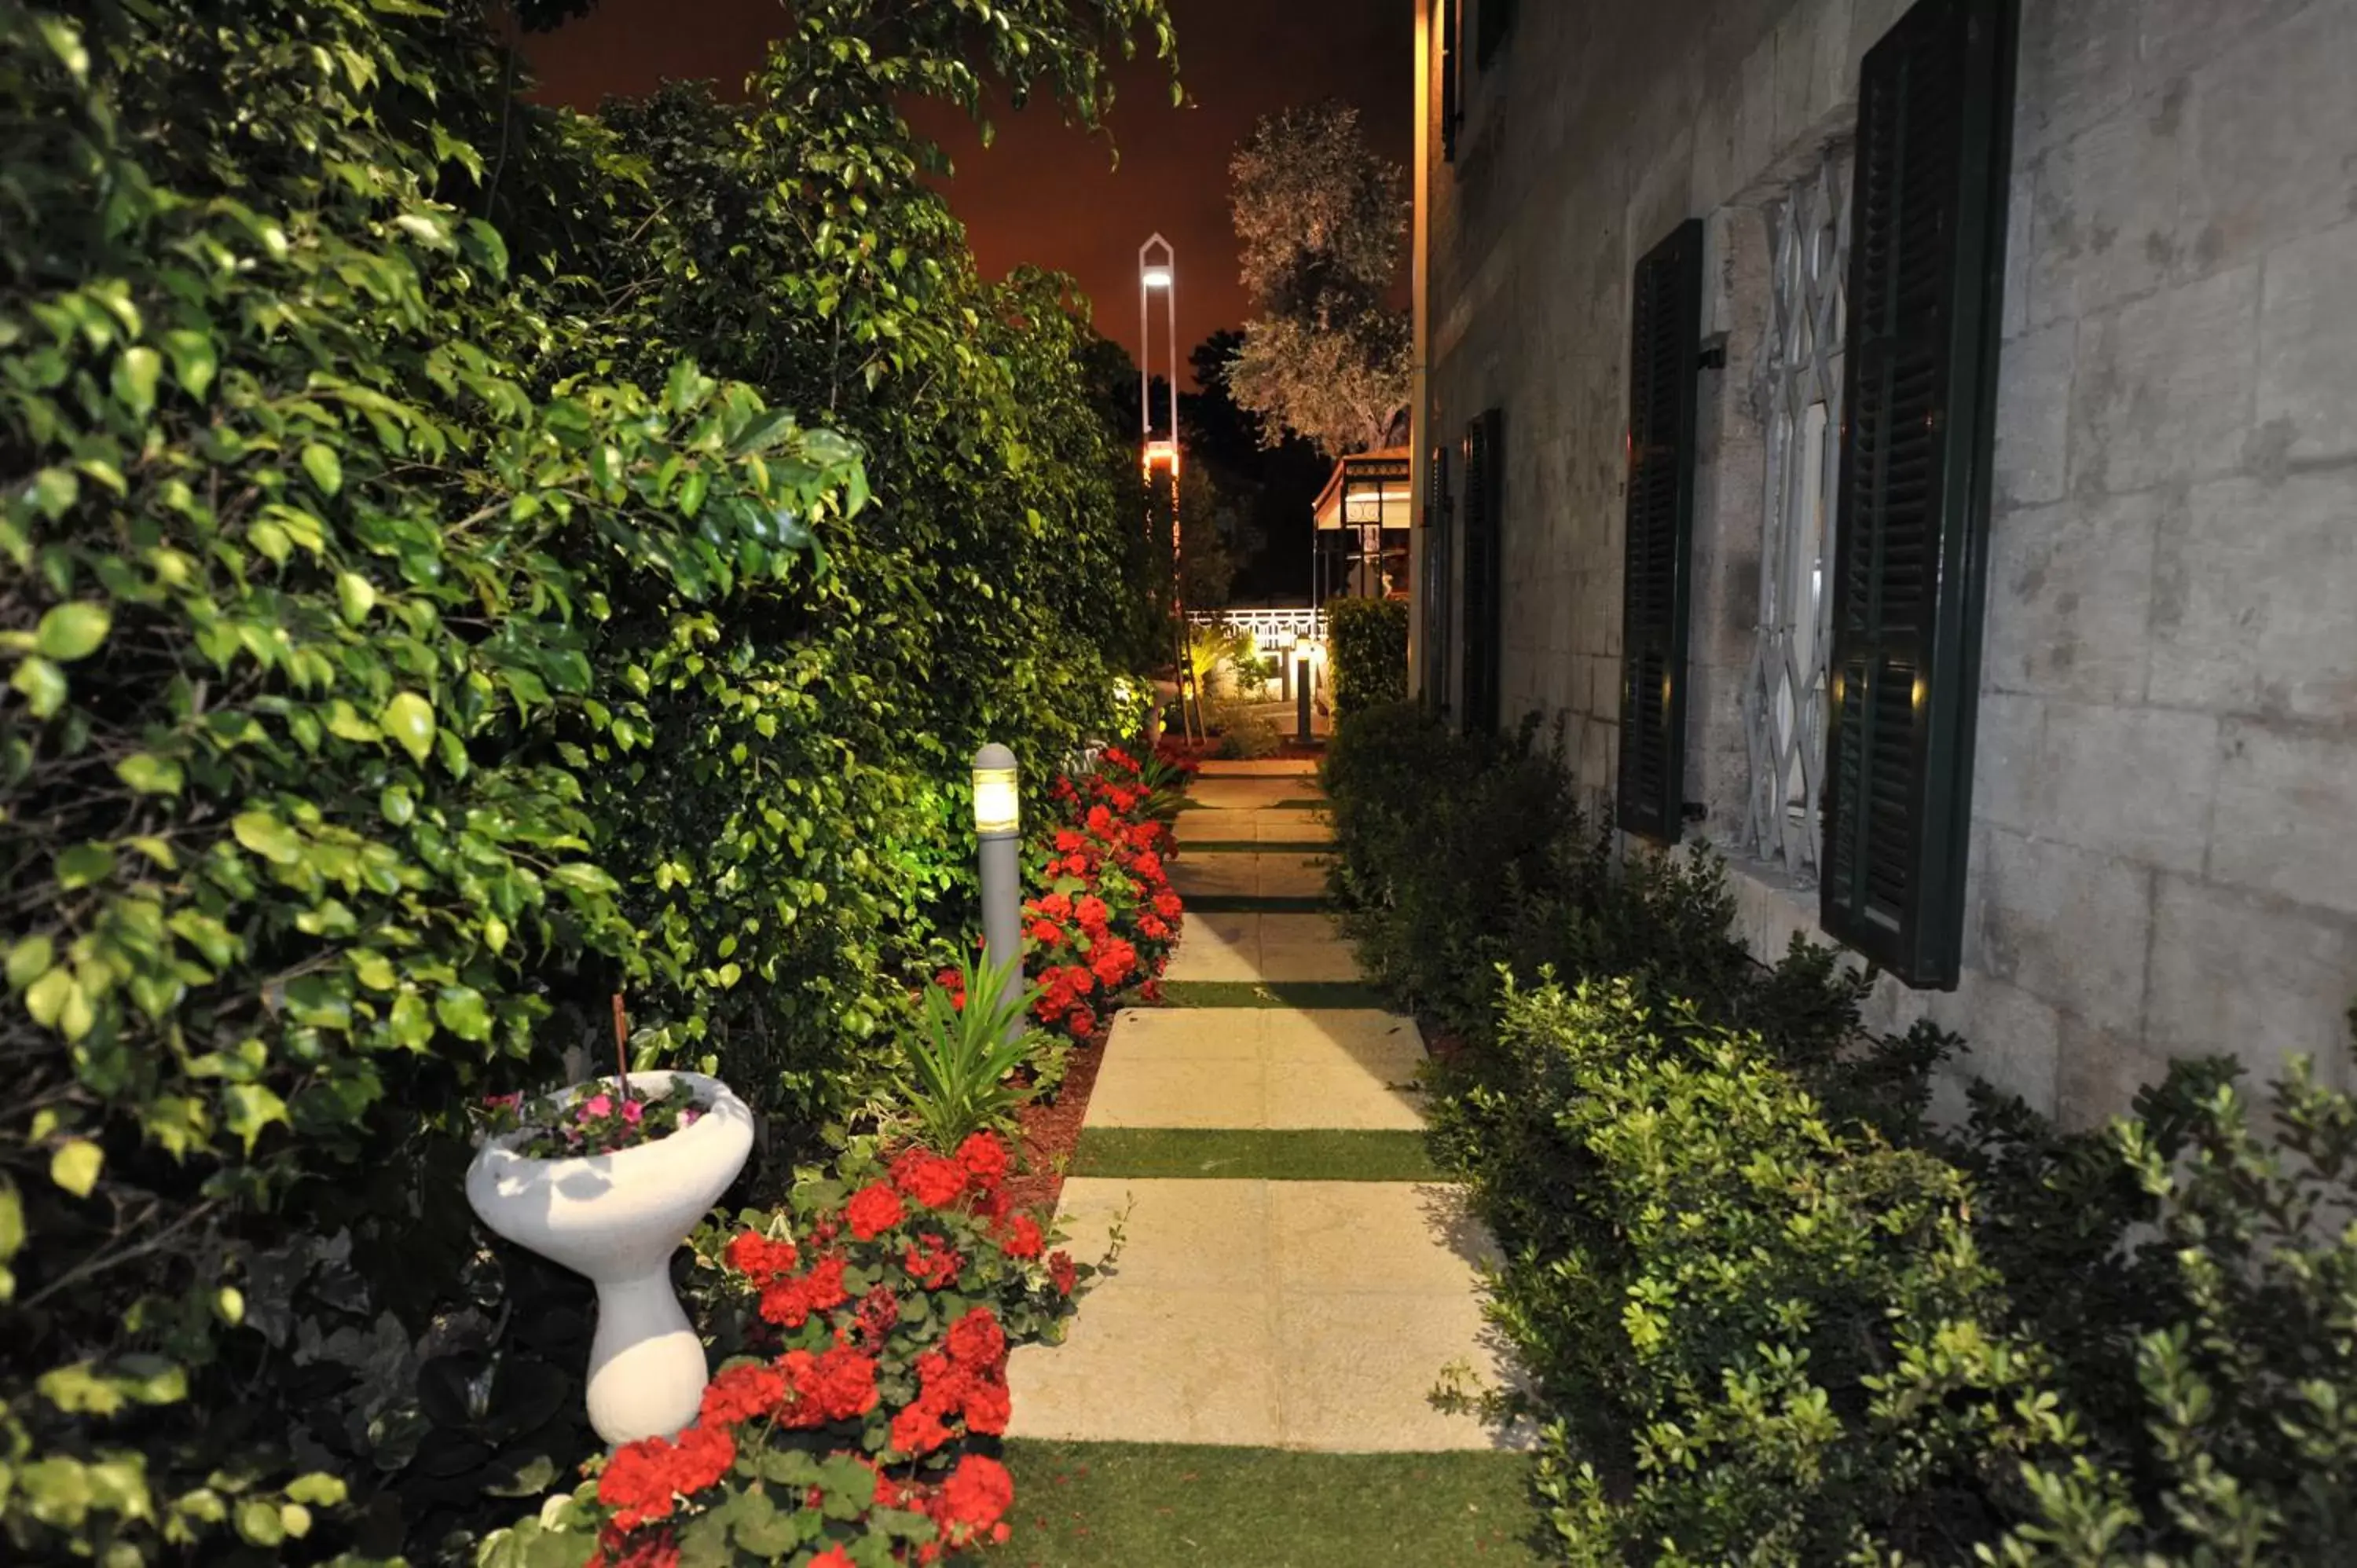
{"x": 1291, "y": 1278}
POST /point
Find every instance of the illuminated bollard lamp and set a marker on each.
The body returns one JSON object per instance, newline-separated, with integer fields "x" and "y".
{"x": 1301, "y": 687}
{"x": 998, "y": 824}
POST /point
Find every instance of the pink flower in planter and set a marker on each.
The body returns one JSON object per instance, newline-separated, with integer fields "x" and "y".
{"x": 597, "y": 1105}
{"x": 633, "y": 1112}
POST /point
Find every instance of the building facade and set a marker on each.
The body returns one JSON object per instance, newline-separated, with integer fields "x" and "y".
{"x": 1914, "y": 447}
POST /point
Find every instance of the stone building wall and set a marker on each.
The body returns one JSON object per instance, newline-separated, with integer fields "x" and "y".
{"x": 2164, "y": 852}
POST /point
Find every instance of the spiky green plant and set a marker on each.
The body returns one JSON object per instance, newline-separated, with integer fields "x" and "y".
{"x": 968, "y": 1044}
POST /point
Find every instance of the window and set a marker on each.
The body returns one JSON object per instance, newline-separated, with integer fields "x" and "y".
{"x": 1665, "y": 353}
{"x": 1797, "y": 388}
{"x": 1493, "y": 20}
{"x": 1910, "y": 537}
{"x": 1452, "y": 90}
{"x": 1436, "y": 581}
{"x": 1481, "y": 654}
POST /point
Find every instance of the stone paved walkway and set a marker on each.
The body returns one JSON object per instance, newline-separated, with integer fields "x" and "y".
{"x": 1301, "y": 1314}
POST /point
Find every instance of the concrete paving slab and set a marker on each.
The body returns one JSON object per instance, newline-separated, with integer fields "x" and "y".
{"x": 1335, "y": 1315}
{"x": 1192, "y": 1092}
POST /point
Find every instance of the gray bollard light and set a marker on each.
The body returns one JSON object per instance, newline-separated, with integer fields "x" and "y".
{"x": 1301, "y": 687}
{"x": 999, "y": 823}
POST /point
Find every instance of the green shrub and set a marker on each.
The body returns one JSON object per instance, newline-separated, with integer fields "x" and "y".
{"x": 1774, "y": 1339}
{"x": 1369, "y": 642}
{"x": 410, "y": 646}
{"x": 1243, "y": 732}
{"x": 1778, "y": 1316}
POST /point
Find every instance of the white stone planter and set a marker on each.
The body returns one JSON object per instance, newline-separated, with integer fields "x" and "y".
{"x": 617, "y": 1219}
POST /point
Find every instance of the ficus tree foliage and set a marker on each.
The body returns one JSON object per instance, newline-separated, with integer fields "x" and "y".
{"x": 461, "y": 560}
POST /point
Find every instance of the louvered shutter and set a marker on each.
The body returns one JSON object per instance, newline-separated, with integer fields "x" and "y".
{"x": 1482, "y": 630}
{"x": 1436, "y": 580}
{"x": 1452, "y": 99}
{"x": 1665, "y": 353}
{"x": 1910, "y": 533}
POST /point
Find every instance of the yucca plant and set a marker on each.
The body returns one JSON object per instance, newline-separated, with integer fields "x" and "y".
{"x": 970, "y": 1039}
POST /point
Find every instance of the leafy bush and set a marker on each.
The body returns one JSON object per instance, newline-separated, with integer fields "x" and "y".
{"x": 1368, "y": 639}
{"x": 1773, "y": 1339}
{"x": 865, "y": 1335}
{"x": 1778, "y": 1316}
{"x": 1243, "y": 735}
{"x": 410, "y": 646}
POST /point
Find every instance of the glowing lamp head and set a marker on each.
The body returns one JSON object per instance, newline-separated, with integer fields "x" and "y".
{"x": 997, "y": 802}
{"x": 1156, "y": 277}
{"x": 1162, "y": 455}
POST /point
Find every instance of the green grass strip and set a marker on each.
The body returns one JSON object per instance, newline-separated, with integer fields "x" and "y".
{"x": 1308, "y": 996}
{"x": 1255, "y": 904}
{"x": 1253, "y": 846}
{"x": 1322, "y": 1153}
{"x": 1152, "y": 1505}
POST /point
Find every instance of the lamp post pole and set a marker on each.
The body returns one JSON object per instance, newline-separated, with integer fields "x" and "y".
{"x": 998, "y": 824}
{"x": 1301, "y": 671}
{"x": 1158, "y": 274}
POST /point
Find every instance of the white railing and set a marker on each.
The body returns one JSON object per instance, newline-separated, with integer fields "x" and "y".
{"x": 1272, "y": 628}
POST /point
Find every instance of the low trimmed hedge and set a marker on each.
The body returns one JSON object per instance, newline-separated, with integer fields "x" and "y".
{"x": 1773, "y": 1315}
{"x": 1368, "y": 639}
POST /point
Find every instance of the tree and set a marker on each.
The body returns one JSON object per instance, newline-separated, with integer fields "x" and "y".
{"x": 1319, "y": 217}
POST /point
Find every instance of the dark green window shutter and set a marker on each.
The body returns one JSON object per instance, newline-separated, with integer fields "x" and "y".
{"x": 1665, "y": 353}
{"x": 1935, "y": 108}
{"x": 1436, "y": 581}
{"x": 1452, "y": 93}
{"x": 1482, "y": 641}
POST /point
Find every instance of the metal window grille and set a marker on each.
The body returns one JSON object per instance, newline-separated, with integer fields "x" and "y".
{"x": 1797, "y": 392}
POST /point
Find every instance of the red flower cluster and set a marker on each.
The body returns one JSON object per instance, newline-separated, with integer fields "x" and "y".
{"x": 885, "y": 1376}
{"x": 642, "y": 1478}
{"x": 1108, "y": 917}
{"x": 965, "y": 1380}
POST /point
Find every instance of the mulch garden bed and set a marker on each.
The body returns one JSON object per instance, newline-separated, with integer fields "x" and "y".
{"x": 1052, "y": 1131}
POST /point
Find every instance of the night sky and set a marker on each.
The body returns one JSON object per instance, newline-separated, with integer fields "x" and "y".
{"x": 1049, "y": 193}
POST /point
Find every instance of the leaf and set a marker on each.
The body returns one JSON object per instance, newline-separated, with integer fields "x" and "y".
{"x": 408, "y": 718}
{"x": 149, "y": 774}
{"x": 355, "y": 596}
{"x": 135, "y": 375}
{"x": 11, "y": 1221}
{"x": 43, "y": 686}
{"x": 460, "y": 1008}
{"x": 765, "y": 431}
{"x": 73, "y": 632}
{"x": 193, "y": 361}
{"x": 249, "y": 1109}
{"x": 76, "y": 1165}
{"x": 268, "y": 837}
{"x": 29, "y": 958}
{"x": 396, "y": 805}
{"x": 83, "y": 864}
{"x": 327, "y": 470}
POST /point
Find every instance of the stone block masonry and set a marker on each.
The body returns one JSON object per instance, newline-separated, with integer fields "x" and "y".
{"x": 2165, "y": 792}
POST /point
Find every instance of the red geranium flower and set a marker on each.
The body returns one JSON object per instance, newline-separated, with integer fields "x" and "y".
{"x": 1023, "y": 1239}
{"x": 983, "y": 1158}
{"x": 975, "y": 1497}
{"x": 929, "y": 1178}
{"x": 790, "y": 1301}
{"x": 1062, "y": 1272}
{"x": 758, "y": 1257}
{"x": 975, "y": 1341}
{"x": 1083, "y": 1023}
{"x": 742, "y": 1394}
{"x": 832, "y": 1557}
{"x": 873, "y": 1210}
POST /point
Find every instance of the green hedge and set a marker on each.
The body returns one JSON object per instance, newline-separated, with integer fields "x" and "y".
{"x": 1369, "y": 642}
{"x": 428, "y": 616}
{"x": 1772, "y": 1313}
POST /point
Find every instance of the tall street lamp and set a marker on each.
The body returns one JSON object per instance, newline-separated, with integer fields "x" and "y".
{"x": 1157, "y": 278}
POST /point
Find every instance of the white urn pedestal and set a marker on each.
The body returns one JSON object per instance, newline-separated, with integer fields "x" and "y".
{"x": 618, "y": 1218}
